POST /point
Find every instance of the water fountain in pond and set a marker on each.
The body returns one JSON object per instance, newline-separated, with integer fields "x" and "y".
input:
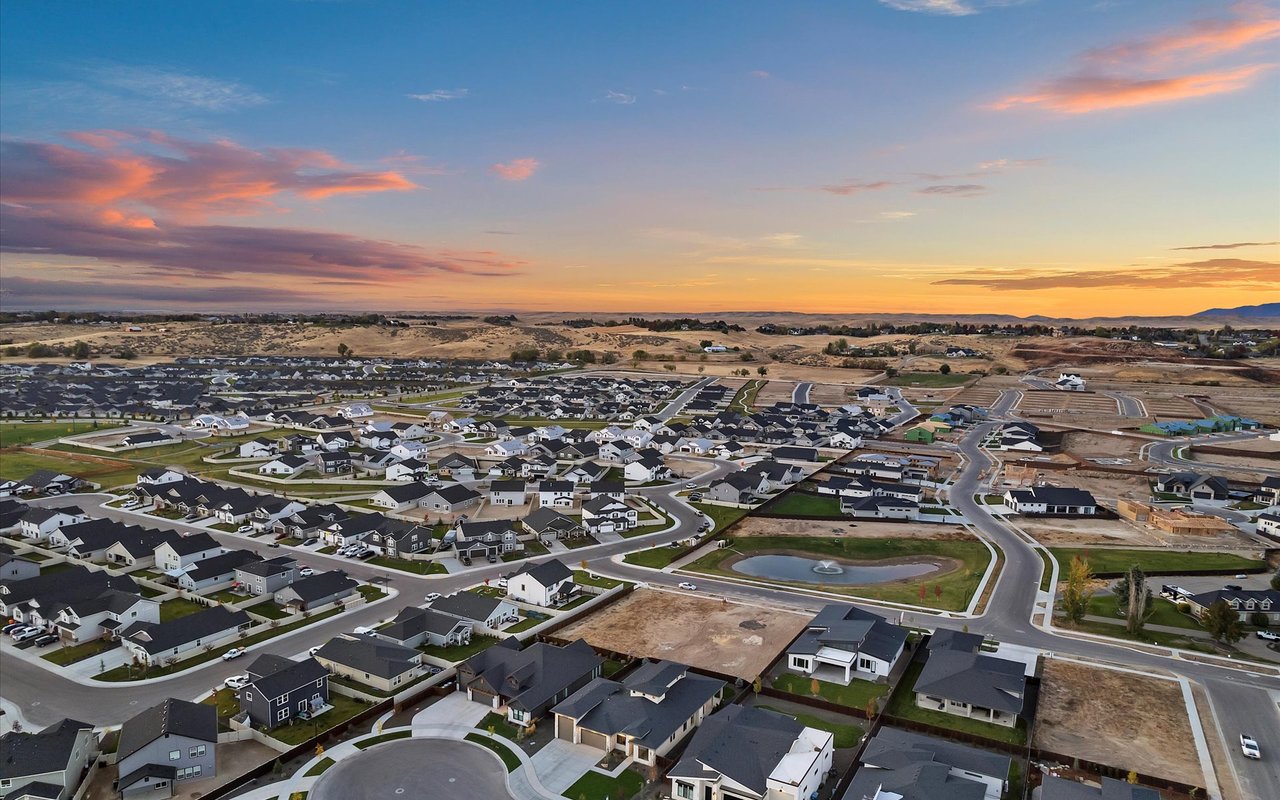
{"x": 828, "y": 567}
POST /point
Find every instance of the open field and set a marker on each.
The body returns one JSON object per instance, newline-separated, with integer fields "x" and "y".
{"x": 17, "y": 434}
{"x": 1085, "y": 445}
{"x": 862, "y": 529}
{"x": 728, "y": 638}
{"x": 1122, "y": 533}
{"x": 1116, "y": 718}
{"x": 1154, "y": 562}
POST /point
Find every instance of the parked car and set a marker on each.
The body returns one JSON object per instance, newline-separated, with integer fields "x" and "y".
{"x": 311, "y": 542}
{"x": 502, "y": 583}
{"x": 20, "y": 627}
{"x": 12, "y": 626}
{"x": 233, "y": 653}
{"x": 1270, "y": 636}
{"x": 434, "y": 596}
{"x": 45, "y": 640}
{"x": 306, "y": 572}
{"x": 365, "y": 554}
{"x": 691, "y": 485}
{"x": 1249, "y": 746}
{"x": 1241, "y": 577}
{"x": 694, "y": 497}
{"x": 1234, "y": 587}
{"x": 25, "y": 634}
{"x": 273, "y": 544}
{"x": 236, "y": 682}
{"x": 245, "y": 529}
{"x": 688, "y": 586}
{"x": 311, "y": 651}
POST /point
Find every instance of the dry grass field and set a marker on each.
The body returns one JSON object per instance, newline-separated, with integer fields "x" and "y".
{"x": 862, "y": 529}
{"x": 728, "y": 638}
{"x": 1121, "y": 533}
{"x": 1118, "y": 719}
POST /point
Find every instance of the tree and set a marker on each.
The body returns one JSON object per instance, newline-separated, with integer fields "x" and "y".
{"x": 814, "y": 688}
{"x": 1132, "y": 777}
{"x": 1076, "y": 593}
{"x": 705, "y": 343}
{"x": 343, "y": 350}
{"x": 669, "y": 367}
{"x": 762, "y": 371}
{"x": 756, "y": 685}
{"x": 1222, "y": 622}
{"x": 1135, "y": 596}
{"x": 890, "y": 372}
{"x": 1275, "y": 581}
{"x": 945, "y": 369}
{"x": 80, "y": 350}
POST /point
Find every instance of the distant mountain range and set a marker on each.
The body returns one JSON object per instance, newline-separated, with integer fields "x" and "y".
{"x": 1262, "y": 310}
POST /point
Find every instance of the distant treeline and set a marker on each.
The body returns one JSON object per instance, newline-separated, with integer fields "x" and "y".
{"x": 659, "y": 325}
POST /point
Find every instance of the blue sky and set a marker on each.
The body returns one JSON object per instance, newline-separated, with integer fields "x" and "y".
{"x": 947, "y": 156}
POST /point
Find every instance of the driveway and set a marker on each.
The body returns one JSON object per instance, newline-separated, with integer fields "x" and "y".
{"x": 452, "y": 709}
{"x": 559, "y": 764}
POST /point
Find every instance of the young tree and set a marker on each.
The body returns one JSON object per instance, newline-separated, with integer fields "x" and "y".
{"x": 762, "y": 371}
{"x": 1222, "y": 622}
{"x": 1076, "y": 593}
{"x": 1134, "y": 593}
{"x": 80, "y": 350}
{"x": 945, "y": 369}
{"x": 343, "y": 349}
{"x": 814, "y": 688}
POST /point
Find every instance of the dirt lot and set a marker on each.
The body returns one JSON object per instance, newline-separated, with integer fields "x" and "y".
{"x": 1105, "y": 486}
{"x": 863, "y": 529}
{"x": 1122, "y": 533}
{"x": 1101, "y": 445}
{"x": 1118, "y": 719}
{"x": 729, "y": 638}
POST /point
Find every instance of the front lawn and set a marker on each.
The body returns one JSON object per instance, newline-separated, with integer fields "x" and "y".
{"x": 496, "y": 724}
{"x": 582, "y": 578}
{"x": 580, "y": 541}
{"x": 269, "y": 609}
{"x": 1162, "y": 612}
{"x": 409, "y": 565}
{"x": 599, "y": 786}
{"x": 655, "y": 557}
{"x": 371, "y": 593}
{"x": 950, "y": 590}
{"x": 807, "y": 505}
{"x": 459, "y": 652}
{"x": 904, "y": 705}
{"x": 227, "y": 702}
{"x": 79, "y": 652}
{"x": 509, "y": 759}
{"x": 856, "y": 695}
{"x": 846, "y": 735}
{"x": 344, "y": 708}
{"x": 721, "y": 516}
{"x": 1105, "y": 561}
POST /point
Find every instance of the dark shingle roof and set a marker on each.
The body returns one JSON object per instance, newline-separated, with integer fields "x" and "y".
{"x": 172, "y": 716}
{"x": 49, "y": 750}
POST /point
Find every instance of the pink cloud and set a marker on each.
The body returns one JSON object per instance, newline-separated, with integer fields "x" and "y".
{"x": 520, "y": 169}
{"x": 1082, "y": 94}
{"x": 855, "y": 187}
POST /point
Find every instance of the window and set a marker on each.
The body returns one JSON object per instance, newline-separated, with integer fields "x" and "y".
{"x": 174, "y": 755}
{"x": 319, "y": 683}
{"x": 282, "y": 714}
{"x": 196, "y": 752}
{"x": 684, "y": 791}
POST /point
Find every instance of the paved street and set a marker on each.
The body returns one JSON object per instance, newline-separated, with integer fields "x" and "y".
{"x": 440, "y": 769}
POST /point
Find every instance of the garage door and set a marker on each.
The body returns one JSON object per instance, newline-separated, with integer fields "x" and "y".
{"x": 483, "y": 697}
{"x": 593, "y": 739}
{"x": 564, "y": 728}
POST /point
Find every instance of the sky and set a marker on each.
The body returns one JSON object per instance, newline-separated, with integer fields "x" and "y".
{"x": 1055, "y": 157}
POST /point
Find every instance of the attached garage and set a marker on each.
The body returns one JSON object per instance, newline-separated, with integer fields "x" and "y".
{"x": 480, "y": 696}
{"x": 593, "y": 739}
{"x": 564, "y": 727}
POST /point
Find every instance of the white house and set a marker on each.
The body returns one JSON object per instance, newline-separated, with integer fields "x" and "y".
{"x": 555, "y": 494}
{"x": 287, "y": 466}
{"x": 506, "y": 449}
{"x": 604, "y": 514}
{"x": 356, "y": 411}
{"x": 411, "y": 469}
{"x": 260, "y": 447}
{"x": 842, "y": 643}
{"x": 1061, "y": 500}
{"x": 38, "y": 523}
{"x": 547, "y": 584}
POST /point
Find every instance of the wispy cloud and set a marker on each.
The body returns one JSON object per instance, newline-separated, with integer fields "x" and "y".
{"x": 440, "y": 95}
{"x": 618, "y": 98}
{"x": 1138, "y": 72}
{"x": 1213, "y": 273}
{"x": 1229, "y": 246}
{"x": 759, "y": 73}
{"x": 896, "y": 215}
{"x": 951, "y": 8}
{"x": 520, "y": 169}
{"x": 852, "y": 187}
{"x": 953, "y": 189}
{"x": 178, "y": 88}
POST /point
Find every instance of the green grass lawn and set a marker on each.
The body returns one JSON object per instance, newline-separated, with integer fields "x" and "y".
{"x": 932, "y": 380}
{"x": 652, "y": 527}
{"x": 580, "y": 541}
{"x": 509, "y": 759}
{"x": 499, "y": 725}
{"x": 957, "y": 586}
{"x": 846, "y": 735}
{"x": 524, "y": 625}
{"x": 344, "y": 708}
{"x": 1103, "y": 560}
{"x": 386, "y": 737}
{"x": 227, "y": 702}
{"x": 79, "y": 652}
{"x": 1160, "y": 638}
{"x": 598, "y": 786}
{"x": 807, "y": 505}
{"x": 409, "y": 565}
{"x": 319, "y": 767}
{"x": 654, "y": 558}
{"x": 904, "y": 705}
{"x": 856, "y": 695}
{"x": 721, "y": 516}
{"x": 371, "y": 593}
{"x": 180, "y": 607}
{"x": 227, "y": 596}
{"x": 459, "y": 652}
{"x": 269, "y": 609}
{"x": 1163, "y": 612}
{"x": 16, "y": 465}
{"x": 18, "y": 434}
{"x": 581, "y": 578}
{"x": 1047, "y": 575}
{"x": 745, "y": 397}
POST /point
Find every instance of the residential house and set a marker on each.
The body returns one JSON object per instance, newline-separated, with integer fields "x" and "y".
{"x": 614, "y": 490}
{"x": 16, "y": 568}
{"x": 644, "y": 716}
{"x": 604, "y": 514}
{"x": 411, "y": 469}
{"x": 51, "y": 763}
{"x": 525, "y": 684}
{"x": 217, "y": 571}
{"x": 399, "y": 498}
{"x": 86, "y": 619}
{"x": 555, "y": 494}
{"x": 281, "y": 690}
{"x": 417, "y": 627}
{"x": 857, "y": 643}
{"x": 450, "y": 499}
{"x": 1053, "y": 787}
{"x": 491, "y": 612}
{"x": 748, "y": 753}
{"x": 458, "y": 467}
{"x": 260, "y": 447}
{"x": 38, "y": 599}
{"x": 507, "y": 493}
{"x": 166, "y": 744}
{"x": 1269, "y": 492}
{"x": 1247, "y": 603}
{"x": 900, "y": 764}
{"x": 160, "y": 642}
{"x": 547, "y": 524}
{"x": 285, "y": 466}
{"x": 957, "y": 679}
{"x": 38, "y": 523}
{"x": 547, "y": 584}
{"x": 740, "y": 487}
{"x": 1054, "y": 500}
{"x": 266, "y": 576}
{"x": 650, "y": 467}
{"x": 310, "y": 593}
{"x": 371, "y": 660}
{"x": 178, "y": 553}
{"x": 1193, "y": 485}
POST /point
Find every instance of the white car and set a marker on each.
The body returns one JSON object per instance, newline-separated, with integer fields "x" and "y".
{"x": 313, "y": 650}
{"x": 688, "y": 586}
{"x": 691, "y": 485}
{"x": 245, "y": 529}
{"x": 1270, "y": 636}
{"x": 434, "y": 596}
{"x": 306, "y": 572}
{"x": 236, "y": 682}
{"x": 1249, "y": 746}
{"x": 502, "y": 583}
{"x": 23, "y": 634}
{"x": 233, "y": 653}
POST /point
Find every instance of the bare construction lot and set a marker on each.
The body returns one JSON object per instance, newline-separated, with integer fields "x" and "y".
{"x": 1116, "y": 718}
{"x": 728, "y": 638}
{"x": 862, "y": 529}
{"x": 1054, "y": 532}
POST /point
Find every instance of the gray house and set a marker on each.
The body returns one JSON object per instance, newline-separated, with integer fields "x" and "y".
{"x": 216, "y": 571}
{"x": 1055, "y": 788}
{"x": 281, "y": 690}
{"x": 168, "y": 743}
{"x": 370, "y": 660}
{"x": 317, "y": 590}
{"x": 268, "y": 576}
{"x": 415, "y": 627}
{"x": 900, "y": 763}
{"x": 843, "y": 642}
{"x": 956, "y": 679}
{"x": 524, "y": 684}
{"x": 157, "y": 642}
{"x": 491, "y": 612}
{"x": 48, "y": 764}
